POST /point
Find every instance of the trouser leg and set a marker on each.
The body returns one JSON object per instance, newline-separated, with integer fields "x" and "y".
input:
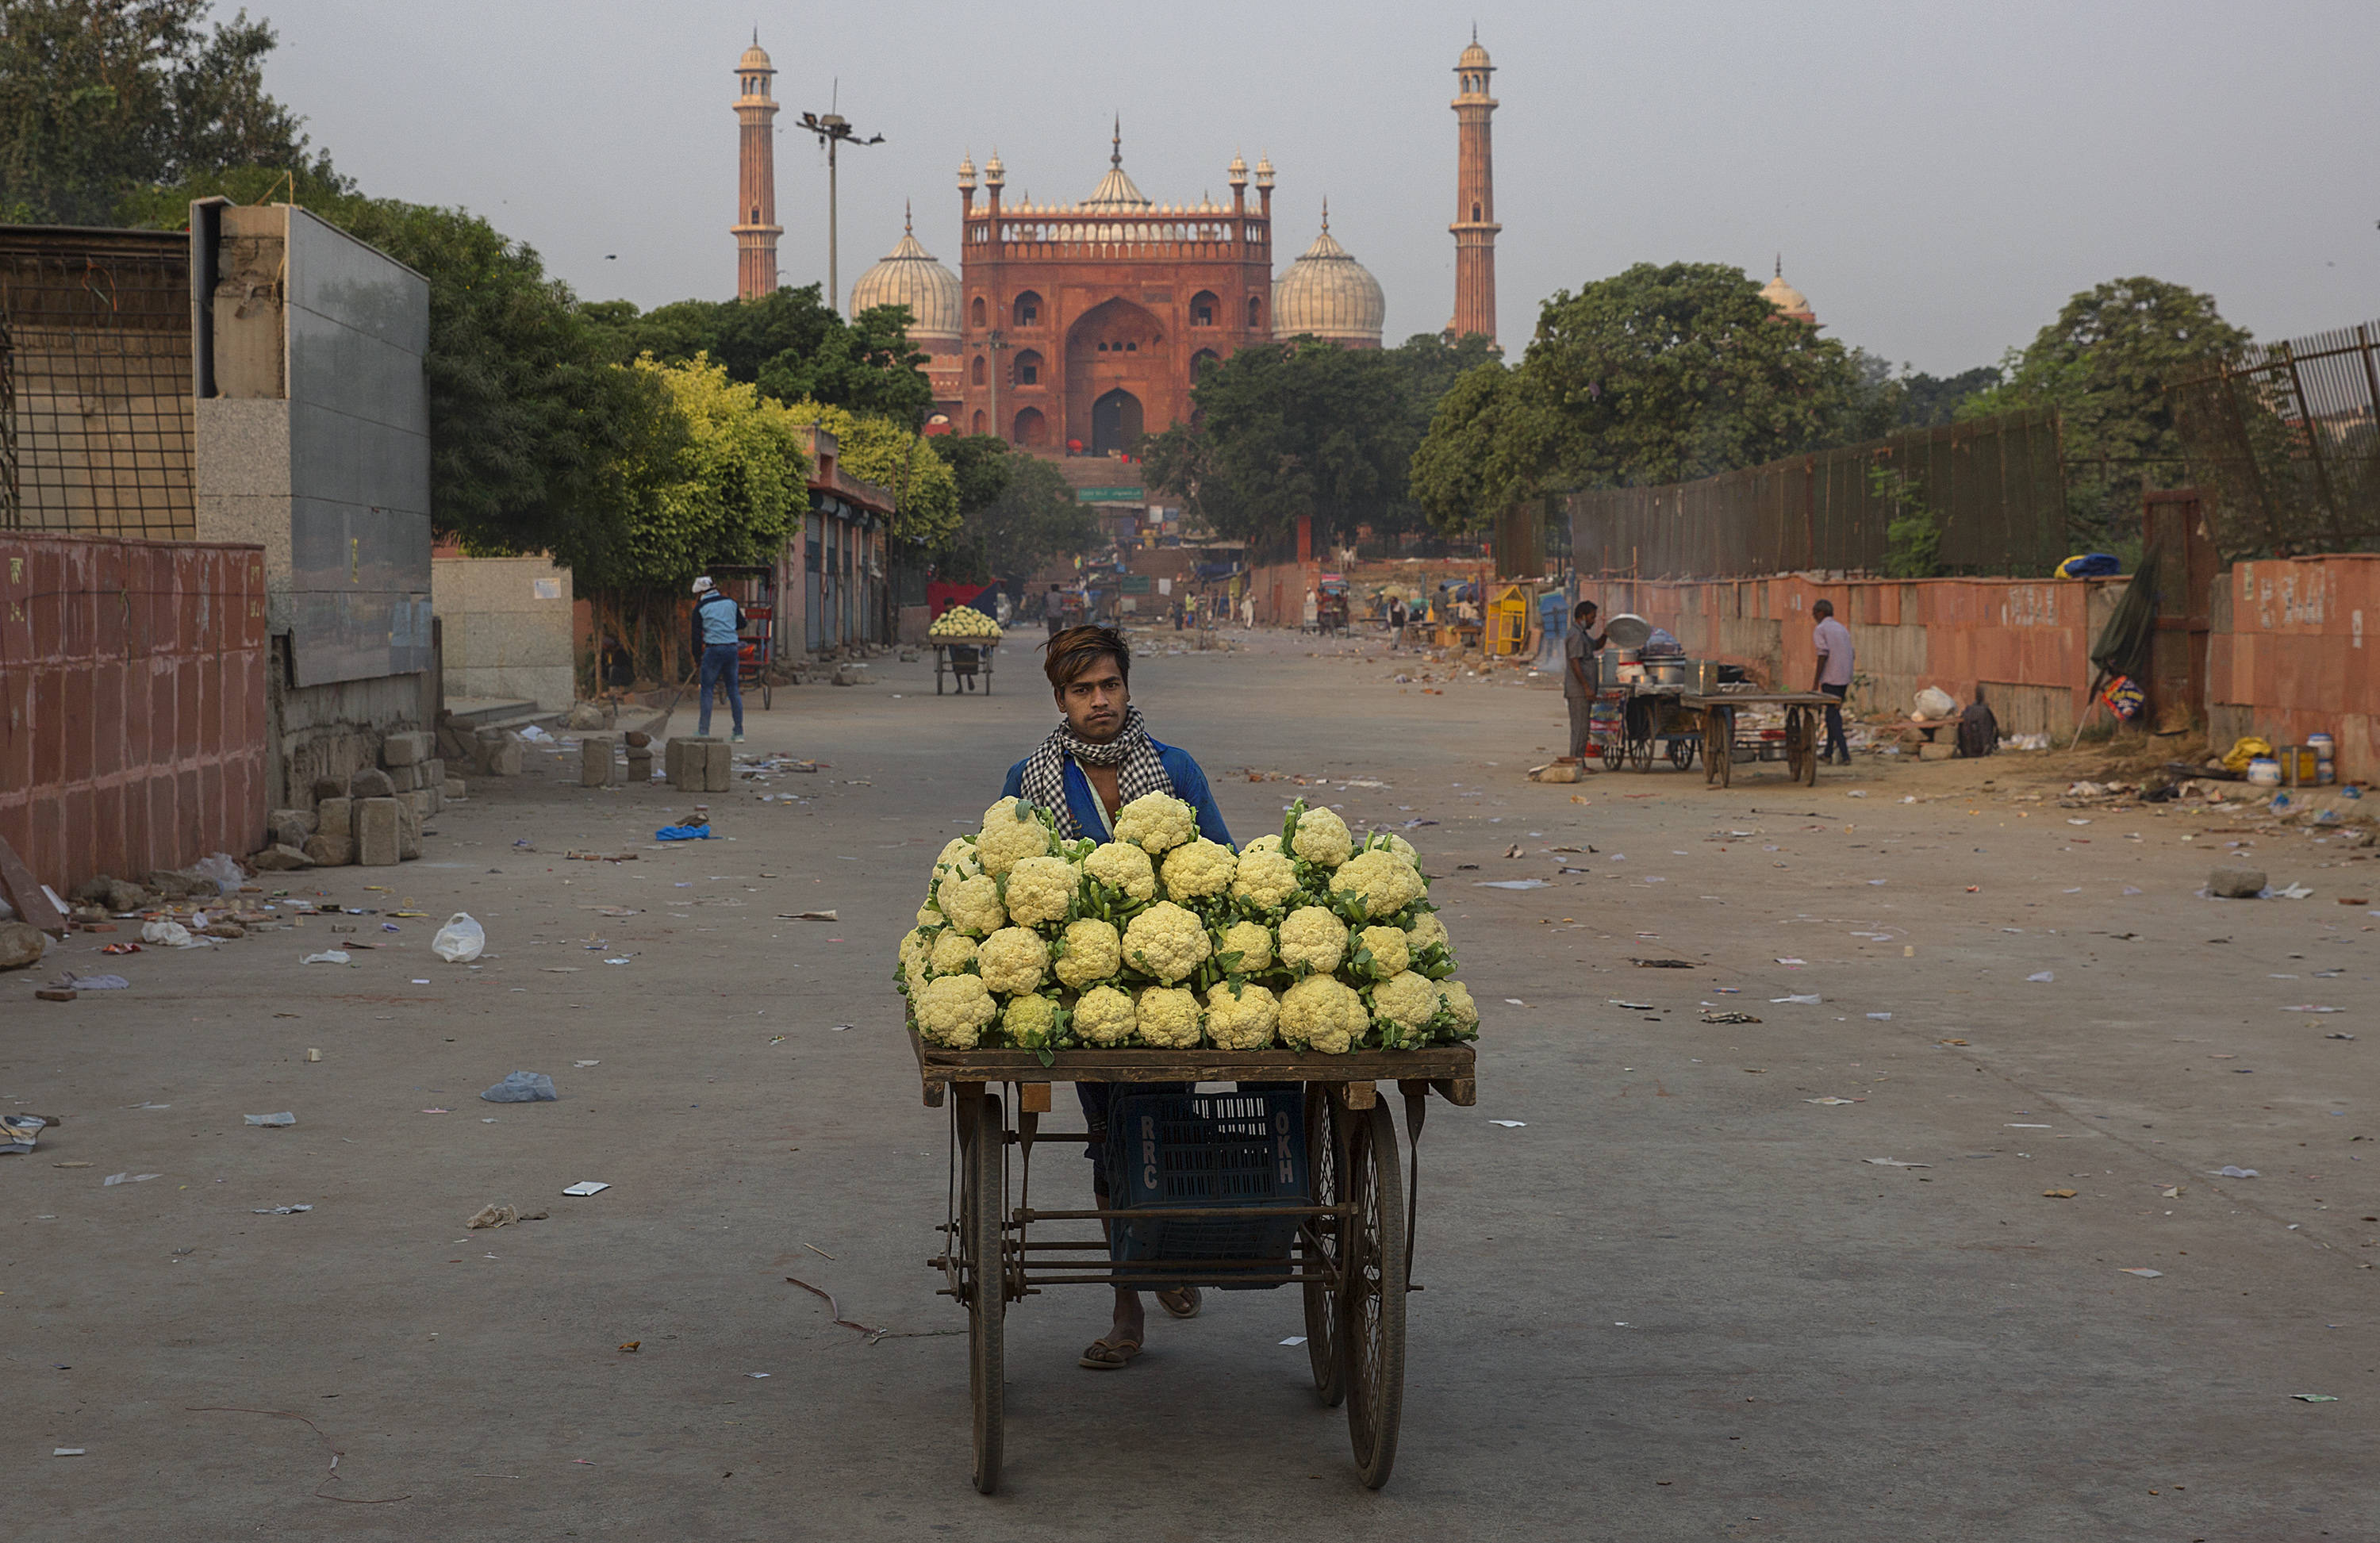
{"x": 1581, "y": 711}
{"x": 730, "y": 668}
{"x": 1836, "y": 743}
{"x": 709, "y": 684}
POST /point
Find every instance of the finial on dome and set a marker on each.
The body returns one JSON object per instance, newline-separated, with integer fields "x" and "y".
{"x": 1115, "y": 151}
{"x": 908, "y": 219}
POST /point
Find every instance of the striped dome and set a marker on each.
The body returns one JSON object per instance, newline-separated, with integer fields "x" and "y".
{"x": 1330, "y": 295}
{"x": 910, "y": 276}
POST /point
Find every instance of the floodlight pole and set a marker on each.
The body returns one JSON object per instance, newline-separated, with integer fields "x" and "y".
{"x": 833, "y": 130}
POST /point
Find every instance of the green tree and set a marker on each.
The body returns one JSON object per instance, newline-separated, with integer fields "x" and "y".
{"x": 1290, "y": 430}
{"x": 896, "y": 458}
{"x": 730, "y": 488}
{"x": 99, "y": 98}
{"x": 1034, "y": 517}
{"x": 978, "y": 463}
{"x": 1927, "y": 401}
{"x": 2104, "y": 365}
{"x": 1485, "y": 451}
{"x": 790, "y": 344}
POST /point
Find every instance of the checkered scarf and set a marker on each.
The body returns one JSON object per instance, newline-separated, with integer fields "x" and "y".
{"x": 1133, "y": 750}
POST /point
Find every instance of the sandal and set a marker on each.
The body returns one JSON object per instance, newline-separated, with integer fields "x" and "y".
{"x": 1107, "y": 1355}
{"x": 1180, "y": 1301}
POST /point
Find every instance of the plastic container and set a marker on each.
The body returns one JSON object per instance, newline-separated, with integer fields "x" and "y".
{"x": 1187, "y": 1151}
{"x": 2326, "y": 775}
{"x": 2323, "y": 747}
{"x": 2265, "y": 772}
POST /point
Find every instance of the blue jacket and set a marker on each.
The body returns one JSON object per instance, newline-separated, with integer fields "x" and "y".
{"x": 1189, "y": 785}
{"x": 716, "y": 618}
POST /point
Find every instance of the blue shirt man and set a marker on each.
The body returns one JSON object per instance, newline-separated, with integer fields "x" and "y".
{"x": 717, "y": 623}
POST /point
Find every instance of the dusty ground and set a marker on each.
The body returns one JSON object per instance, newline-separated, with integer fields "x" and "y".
{"x": 1679, "y": 1302}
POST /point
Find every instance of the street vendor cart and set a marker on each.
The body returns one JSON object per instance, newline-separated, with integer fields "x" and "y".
{"x": 965, "y": 659}
{"x": 1723, "y": 737}
{"x": 1635, "y": 722}
{"x": 1286, "y": 1183}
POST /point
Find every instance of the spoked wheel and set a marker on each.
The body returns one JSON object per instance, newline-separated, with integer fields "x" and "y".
{"x": 1640, "y": 752}
{"x": 1615, "y": 754}
{"x": 1719, "y": 747}
{"x": 1801, "y": 754}
{"x": 1681, "y": 752}
{"x": 1372, "y": 1306}
{"x": 982, "y": 1198}
{"x": 767, "y": 693}
{"x": 1322, "y": 1161}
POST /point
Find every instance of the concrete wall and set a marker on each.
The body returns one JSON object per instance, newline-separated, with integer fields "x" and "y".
{"x": 2288, "y": 656}
{"x": 506, "y": 624}
{"x": 132, "y": 703}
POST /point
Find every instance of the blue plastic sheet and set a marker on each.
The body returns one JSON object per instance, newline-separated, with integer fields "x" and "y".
{"x": 683, "y": 832}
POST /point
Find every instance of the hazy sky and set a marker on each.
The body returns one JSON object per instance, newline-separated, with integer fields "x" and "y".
{"x": 1939, "y": 177}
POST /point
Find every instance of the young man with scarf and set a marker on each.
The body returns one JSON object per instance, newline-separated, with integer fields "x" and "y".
{"x": 1100, "y": 757}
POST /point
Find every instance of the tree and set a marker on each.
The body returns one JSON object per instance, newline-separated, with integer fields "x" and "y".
{"x": 1927, "y": 401}
{"x": 1034, "y": 517}
{"x": 790, "y": 344}
{"x": 1485, "y": 452}
{"x": 1290, "y": 430}
{"x": 2104, "y": 365}
{"x": 978, "y": 463}
{"x": 99, "y": 98}
{"x": 731, "y": 488}
{"x": 896, "y": 458}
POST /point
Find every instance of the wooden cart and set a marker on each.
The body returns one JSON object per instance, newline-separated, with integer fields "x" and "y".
{"x": 967, "y": 660}
{"x": 1353, "y": 1257}
{"x": 1646, "y": 720}
{"x": 1803, "y": 723}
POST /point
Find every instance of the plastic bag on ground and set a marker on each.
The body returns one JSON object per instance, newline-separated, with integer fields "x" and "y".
{"x": 523, "y": 1087}
{"x": 172, "y": 934}
{"x": 222, "y": 871}
{"x": 461, "y": 941}
{"x": 1934, "y": 702}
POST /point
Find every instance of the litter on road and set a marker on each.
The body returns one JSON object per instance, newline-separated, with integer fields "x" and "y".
{"x": 281, "y": 1210}
{"x": 283, "y": 1118}
{"x": 523, "y": 1087}
{"x": 586, "y": 1186}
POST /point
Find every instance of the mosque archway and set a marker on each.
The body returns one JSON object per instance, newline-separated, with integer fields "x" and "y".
{"x": 1116, "y": 424}
{"x": 1032, "y": 428}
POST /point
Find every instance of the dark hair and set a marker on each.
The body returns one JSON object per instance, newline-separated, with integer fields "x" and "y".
{"x": 1822, "y": 608}
{"x": 1586, "y": 605}
{"x": 1078, "y": 649}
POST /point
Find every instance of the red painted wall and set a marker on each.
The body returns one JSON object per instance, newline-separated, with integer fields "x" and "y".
{"x": 2295, "y": 659}
{"x": 132, "y": 703}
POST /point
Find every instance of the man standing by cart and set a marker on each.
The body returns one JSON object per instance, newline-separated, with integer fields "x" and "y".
{"x": 718, "y": 624}
{"x": 1833, "y": 641}
{"x": 1580, "y": 673}
{"x": 1100, "y": 757}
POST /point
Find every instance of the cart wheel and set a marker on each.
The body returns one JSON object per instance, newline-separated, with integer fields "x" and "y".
{"x": 982, "y": 1198}
{"x": 1322, "y": 1167}
{"x": 767, "y": 693}
{"x": 1640, "y": 753}
{"x": 938, "y": 672}
{"x": 1681, "y": 752}
{"x": 1372, "y": 1308}
{"x": 1719, "y": 728}
{"x": 1614, "y": 754}
{"x": 1801, "y": 756}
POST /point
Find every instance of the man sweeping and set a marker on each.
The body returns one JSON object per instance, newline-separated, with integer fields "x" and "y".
{"x": 1100, "y": 757}
{"x": 718, "y": 623}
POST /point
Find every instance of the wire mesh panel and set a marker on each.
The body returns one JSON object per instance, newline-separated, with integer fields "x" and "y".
{"x": 2285, "y": 441}
{"x": 95, "y": 410}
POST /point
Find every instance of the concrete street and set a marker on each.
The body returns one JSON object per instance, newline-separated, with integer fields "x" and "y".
{"x": 1677, "y": 1301}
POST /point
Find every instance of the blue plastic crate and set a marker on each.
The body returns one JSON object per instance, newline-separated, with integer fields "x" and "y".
{"x": 1184, "y": 1150}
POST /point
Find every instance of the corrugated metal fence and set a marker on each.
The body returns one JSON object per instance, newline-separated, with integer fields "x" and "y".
{"x": 1995, "y": 486}
{"x": 2285, "y": 446}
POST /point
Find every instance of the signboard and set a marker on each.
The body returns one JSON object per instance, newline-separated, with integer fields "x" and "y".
{"x": 1135, "y": 584}
{"x": 1109, "y": 495}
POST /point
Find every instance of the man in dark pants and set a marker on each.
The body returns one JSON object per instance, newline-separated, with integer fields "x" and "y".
{"x": 1580, "y": 672}
{"x": 1100, "y": 757}
{"x": 1833, "y": 641}
{"x": 717, "y": 623}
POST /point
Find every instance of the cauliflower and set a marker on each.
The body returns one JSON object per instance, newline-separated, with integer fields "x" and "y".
{"x": 1424, "y": 929}
{"x": 1252, "y": 941}
{"x": 1322, "y": 838}
{"x": 1125, "y": 868}
{"x": 1266, "y": 880}
{"x": 1388, "y": 840}
{"x": 1041, "y": 889}
{"x": 1321, "y": 1014}
{"x": 1405, "y": 1002}
{"x": 1197, "y": 869}
{"x": 1156, "y": 822}
{"x": 1262, "y": 844}
{"x": 1089, "y": 952}
{"x": 958, "y": 853}
{"x": 1011, "y": 833}
{"x": 953, "y": 1010}
{"x": 1314, "y": 938}
{"x": 1459, "y": 1002}
{"x": 1168, "y": 1019}
{"x": 1386, "y": 882}
{"x": 1013, "y": 961}
{"x": 972, "y": 905}
{"x": 1242, "y": 1017}
{"x": 1031, "y": 1023}
{"x": 917, "y": 948}
{"x": 952, "y": 953}
{"x": 1104, "y": 1016}
{"x": 1389, "y": 954}
{"x": 929, "y": 915}
{"x": 1166, "y": 941}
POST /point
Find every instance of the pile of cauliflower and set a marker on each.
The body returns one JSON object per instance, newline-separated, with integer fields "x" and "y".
{"x": 1312, "y": 939}
{"x": 966, "y": 622}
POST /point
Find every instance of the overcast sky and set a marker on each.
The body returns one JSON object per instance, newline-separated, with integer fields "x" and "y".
{"x": 1938, "y": 178}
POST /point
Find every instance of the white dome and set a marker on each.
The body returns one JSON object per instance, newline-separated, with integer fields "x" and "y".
{"x": 909, "y": 276}
{"x": 1787, "y": 300}
{"x": 1330, "y": 295}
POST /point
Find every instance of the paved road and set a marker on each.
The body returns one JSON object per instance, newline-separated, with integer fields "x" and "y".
{"x": 1677, "y": 1301}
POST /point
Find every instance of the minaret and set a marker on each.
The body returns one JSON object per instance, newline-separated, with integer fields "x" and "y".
{"x": 1474, "y": 224}
{"x": 755, "y": 184}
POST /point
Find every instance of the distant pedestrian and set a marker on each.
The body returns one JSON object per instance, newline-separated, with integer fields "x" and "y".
{"x": 717, "y": 625}
{"x": 1249, "y": 608}
{"x": 1054, "y": 611}
{"x": 1580, "y": 673}
{"x": 1833, "y": 641}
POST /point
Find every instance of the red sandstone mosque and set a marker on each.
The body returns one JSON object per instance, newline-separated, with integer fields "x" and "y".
{"x": 1078, "y": 327}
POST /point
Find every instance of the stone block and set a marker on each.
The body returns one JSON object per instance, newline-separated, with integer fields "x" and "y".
{"x": 404, "y": 779}
{"x": 329, "y": 788}
{"x": 124, "y": 895}
{"x": 2236, "y": 884}
{"x": 453, "y": 743}
{"x": 587, "y": 715}
{"x": 371, "y": 783}
{"x": 597, "y": 766}
{"x": 331, "y": 850}
{"x": 289, "y": 827}
{"x": 20, "y": 944}
{"x": 378, "y": 832}
{"x": 720, "y": 768}
{"x": 410, "y": 748}
{"x": 280, "y": 859}
{"x": 434, "y": 795}
{"x": 641, "y": 765}
{"x": 408, "y": 830}
{"x": 453, "y": 788}
{"x": 335, "y": 818}
{"x": 433, "y": 772}
{"x": 687, "y": 762}
{"x": 498, "y": 753}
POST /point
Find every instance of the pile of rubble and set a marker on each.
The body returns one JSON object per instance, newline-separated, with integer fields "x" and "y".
{"x": 374, "y": 818}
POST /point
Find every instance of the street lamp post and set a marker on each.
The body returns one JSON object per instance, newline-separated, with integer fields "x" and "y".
{"x": 833, "y": 130}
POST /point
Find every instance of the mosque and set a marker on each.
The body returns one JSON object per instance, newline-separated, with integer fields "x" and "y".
{"x": 1076, "y": 327}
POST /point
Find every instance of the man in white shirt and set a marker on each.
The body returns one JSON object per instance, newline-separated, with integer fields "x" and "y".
{"x": 1833, "y": 641}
